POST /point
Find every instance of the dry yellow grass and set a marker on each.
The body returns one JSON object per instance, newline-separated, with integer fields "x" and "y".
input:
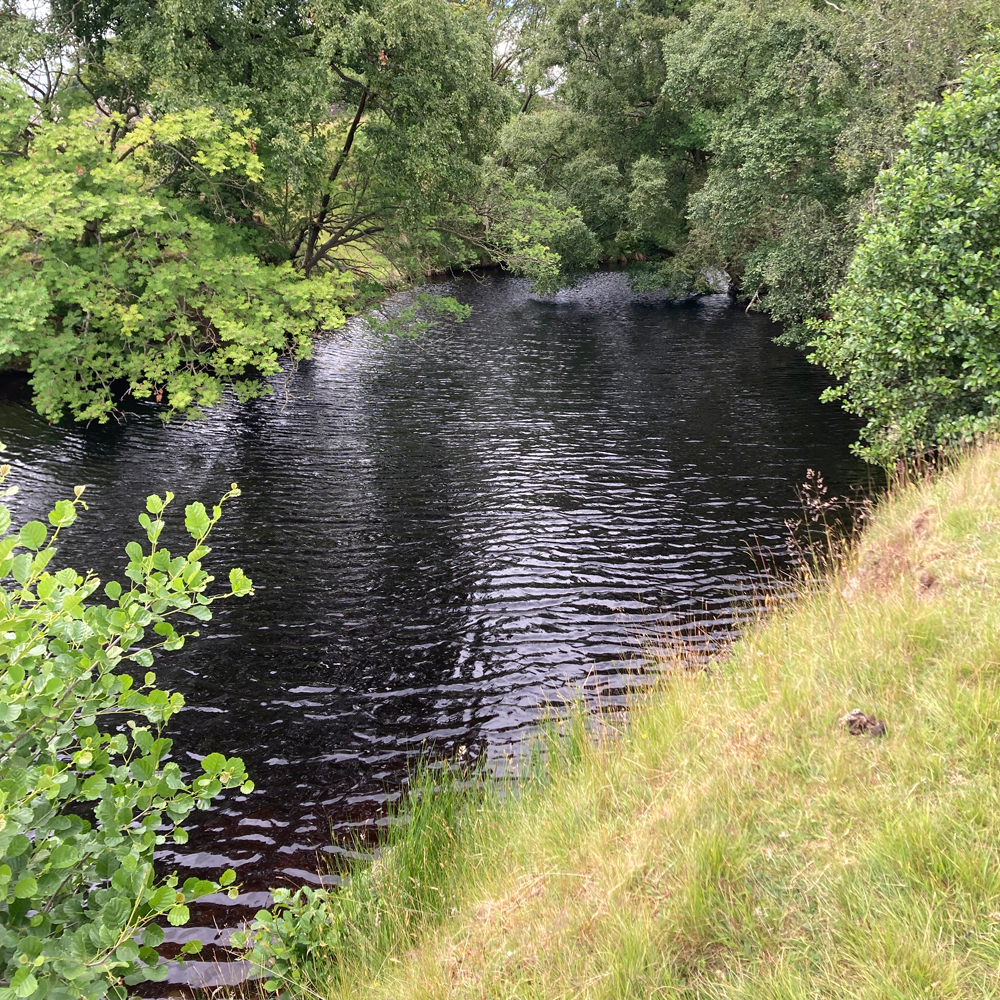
{"x": 733, "y": 841}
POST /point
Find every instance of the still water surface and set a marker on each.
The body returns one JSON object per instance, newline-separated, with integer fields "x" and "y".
{"x": 447, "y": 535}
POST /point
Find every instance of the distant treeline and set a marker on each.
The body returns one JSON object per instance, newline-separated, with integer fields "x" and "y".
{"x": 190, "y": 188}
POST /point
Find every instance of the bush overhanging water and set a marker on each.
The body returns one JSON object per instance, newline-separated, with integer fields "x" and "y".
{"x": 87, "y": 787}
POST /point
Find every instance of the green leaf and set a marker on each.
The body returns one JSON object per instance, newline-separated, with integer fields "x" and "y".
{"x": 161, "y": 899}
{"x": 93, "y": 787}
{"x": 213, "y": 763}
{"x": 64, "y": 855}
{"x": 142, "y": 739}
{"x": 26, "y": 887}
{"x": 33, "y": 535}
{"x": 19, "y": 843}
{"x": 113, "y": 590}
{"x": 115, "y": 913}
{"x": 152, "y": 936}
{"x": 196, "y": 520}
{"x": 24, "y": 983}
{"x": 127, "y": 951}
{"x": 201, "y": 887}
{"x": 142, "y": 768}
{"x": 157, "y": 973}
{"x": 63, "y": 515}
{"x": 42, "y": 560}
{"x": 240, "y": 583}
{"x": 20, "y": 568}
{"x": 10, "y": 713}
{"x": 178, "y": 915}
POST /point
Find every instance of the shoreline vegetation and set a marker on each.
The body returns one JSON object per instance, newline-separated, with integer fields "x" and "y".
{"x": 190, "y": 190}
{"x": 734, "y": 838}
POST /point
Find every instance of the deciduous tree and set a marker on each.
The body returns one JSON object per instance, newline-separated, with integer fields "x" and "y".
{"x": 914, "y": 335}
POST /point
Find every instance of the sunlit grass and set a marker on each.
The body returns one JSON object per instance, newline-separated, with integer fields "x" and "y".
{"x": 732, "y": 840}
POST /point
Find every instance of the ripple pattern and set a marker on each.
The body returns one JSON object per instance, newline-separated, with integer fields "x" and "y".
{"x": 448, "y": 535}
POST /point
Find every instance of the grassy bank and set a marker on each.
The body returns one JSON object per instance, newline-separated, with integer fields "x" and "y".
{"x": 733, "y": 840}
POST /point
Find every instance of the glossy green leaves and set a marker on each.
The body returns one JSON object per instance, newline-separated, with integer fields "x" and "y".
{"x": 914, "y": 335}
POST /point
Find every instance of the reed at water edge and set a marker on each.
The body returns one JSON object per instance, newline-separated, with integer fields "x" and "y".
{"x": 735, "y": 839}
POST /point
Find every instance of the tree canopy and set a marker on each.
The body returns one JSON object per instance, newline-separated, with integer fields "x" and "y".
{"x": 736, "y": 135}
{"x": 189, "y": 191}
{"x": 914, "y": 335}
{"x": 118, "y": 270}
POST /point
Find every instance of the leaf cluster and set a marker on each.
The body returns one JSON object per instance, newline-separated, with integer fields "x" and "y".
{"x": 119, "y": 274}
{"x": 87, "y": 786}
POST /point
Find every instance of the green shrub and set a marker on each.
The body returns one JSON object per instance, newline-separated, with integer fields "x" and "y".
{"x": 914, "y": 334}
{"x": 87, "y": 790}
{"x": 116, "y": 266}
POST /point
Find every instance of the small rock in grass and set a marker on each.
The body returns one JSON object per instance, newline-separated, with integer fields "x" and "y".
{"x": 857, "y": 723}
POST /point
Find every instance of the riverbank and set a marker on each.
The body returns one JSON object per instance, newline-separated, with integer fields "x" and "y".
{"x": 734, "y": 839}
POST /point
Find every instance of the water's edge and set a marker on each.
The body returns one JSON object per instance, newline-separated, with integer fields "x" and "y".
{"x": 447, "y": 535}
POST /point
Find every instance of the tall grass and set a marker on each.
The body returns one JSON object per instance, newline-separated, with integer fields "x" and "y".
{"x": 732, "y": 840}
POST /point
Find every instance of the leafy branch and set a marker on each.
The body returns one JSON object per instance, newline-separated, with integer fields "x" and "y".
{"x": 79, "y": 899}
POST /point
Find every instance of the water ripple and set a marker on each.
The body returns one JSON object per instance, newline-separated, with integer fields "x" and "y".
{"x": 448, "y": 535}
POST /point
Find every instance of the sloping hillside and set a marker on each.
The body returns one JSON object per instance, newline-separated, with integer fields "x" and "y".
{"x": 736, "y": 840}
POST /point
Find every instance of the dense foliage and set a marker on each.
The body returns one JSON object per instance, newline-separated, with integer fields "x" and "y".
{"x": 741, "y": 136}
{"x": 373, "y": 117}
{"x": 109, "y": 276}
{"x": 87, "y": 786}
{"x": 191, "y": 188}
{"x": 171, "y": 175}
{"x": 914, "y": 334}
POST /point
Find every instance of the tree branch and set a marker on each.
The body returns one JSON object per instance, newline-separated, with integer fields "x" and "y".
{"x": 315, "y": 227}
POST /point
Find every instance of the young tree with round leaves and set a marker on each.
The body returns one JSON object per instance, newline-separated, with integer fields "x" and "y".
{"x": 87, "y": 786}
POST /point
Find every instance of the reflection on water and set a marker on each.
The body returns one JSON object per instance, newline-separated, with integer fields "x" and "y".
{"x": 446, "y": 535}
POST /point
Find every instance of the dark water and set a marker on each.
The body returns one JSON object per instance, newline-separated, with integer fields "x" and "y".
{"x": 446, "y": 535}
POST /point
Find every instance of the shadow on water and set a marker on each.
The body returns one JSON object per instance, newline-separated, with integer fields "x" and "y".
{"x": 447, "y": 535}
